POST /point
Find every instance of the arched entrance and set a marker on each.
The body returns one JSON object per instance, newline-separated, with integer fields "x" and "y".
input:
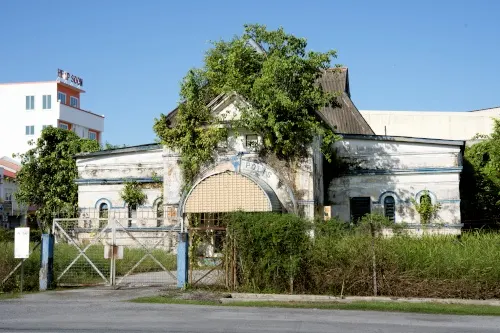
{"x": 229, "y": 192}
{"x": 222, "y": 193}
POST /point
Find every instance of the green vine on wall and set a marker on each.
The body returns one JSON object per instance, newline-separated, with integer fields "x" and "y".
{"x": 132, "y": 194}
{"x": 279, "y": 84}
{"x": 426, "y": 209}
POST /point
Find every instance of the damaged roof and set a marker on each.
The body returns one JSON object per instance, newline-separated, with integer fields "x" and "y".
{"x": 344, "y": 119}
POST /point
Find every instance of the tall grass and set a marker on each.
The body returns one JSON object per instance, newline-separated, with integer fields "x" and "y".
{"x": 339, "y": 261}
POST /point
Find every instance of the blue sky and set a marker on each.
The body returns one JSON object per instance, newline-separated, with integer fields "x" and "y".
{"x": 402, "y": 55}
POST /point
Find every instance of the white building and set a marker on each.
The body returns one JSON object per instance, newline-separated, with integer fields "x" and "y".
{"x": 391, "y": 171}
{"x": 397, "y": 168}
{"x": 27, "y": 107}
{"x": 432, "y": 124}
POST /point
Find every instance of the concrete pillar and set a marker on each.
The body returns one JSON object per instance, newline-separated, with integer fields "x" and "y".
{"x": 182, "y": 259}
{"x": 46, "y": 262}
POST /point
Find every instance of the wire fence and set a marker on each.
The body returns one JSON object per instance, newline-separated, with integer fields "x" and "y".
{"x": 111, "y": 251}
{"x": 207, "y": 264}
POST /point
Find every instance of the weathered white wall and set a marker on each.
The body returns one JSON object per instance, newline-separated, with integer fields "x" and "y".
{"x": 403, "y": 170}
{"x": 101, "y": 180}
{"x": 430, "y": 124}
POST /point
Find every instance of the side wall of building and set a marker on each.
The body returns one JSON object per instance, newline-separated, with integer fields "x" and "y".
{"x": 402, "y": 170}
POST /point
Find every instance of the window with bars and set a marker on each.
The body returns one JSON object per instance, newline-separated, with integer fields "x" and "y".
{"x": 390, "y": 208}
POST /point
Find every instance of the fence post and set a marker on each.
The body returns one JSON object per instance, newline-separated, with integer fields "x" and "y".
{"x": 182, "y": 260}
{"x": 46, "y": 262}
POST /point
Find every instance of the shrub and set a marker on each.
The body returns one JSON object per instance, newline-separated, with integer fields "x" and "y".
{"x": 271, "y": 250}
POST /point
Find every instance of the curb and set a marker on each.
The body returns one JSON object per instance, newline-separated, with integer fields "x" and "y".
{"x": 245, "y": 297}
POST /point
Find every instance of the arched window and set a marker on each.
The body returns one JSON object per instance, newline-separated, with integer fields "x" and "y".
{"x": 390, "y": 208}
{"x": 425, "y": 198}
{"x": 103, "y": 210}
{"x": 159, "y": 213}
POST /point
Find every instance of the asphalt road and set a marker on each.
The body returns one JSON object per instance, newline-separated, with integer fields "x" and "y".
{"x": 42, "y": 314}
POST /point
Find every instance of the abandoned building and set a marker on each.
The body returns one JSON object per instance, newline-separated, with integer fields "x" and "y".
{"x": 390, "y": 174}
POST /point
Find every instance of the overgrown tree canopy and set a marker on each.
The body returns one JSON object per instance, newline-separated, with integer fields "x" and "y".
{"x": 481, "y": 182}
{"x": 273, "y": 71}
{"x": 48, "y": 173}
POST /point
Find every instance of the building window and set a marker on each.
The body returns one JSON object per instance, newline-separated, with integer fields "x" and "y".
{"x": 8, "y": 196}
{"x": 61, "y": 97}
{"x": 390, "y": 208}
{"x": 425, "y": 198}
{"x": 132, "y": 214}
{"x": 47, "y": 102}
{"x": 63, "y": 126}
{"x": 360, "y": 206}
{"x": 251, "y": 141}
{"x": 45, "y": 126}
{"x": 159, "y": 214}
{"x": 73, "y": 101}
{"x": 92, "y": 135}
{"x": 30, "y": 130}
{"x": 103, "y": 210}
{"x": 30, "y": 102}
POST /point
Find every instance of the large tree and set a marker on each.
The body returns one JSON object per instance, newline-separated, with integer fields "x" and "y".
{"x": 481, "y": 181}
{"x": 274, "y": 72}
{"x": 47, "y": 177}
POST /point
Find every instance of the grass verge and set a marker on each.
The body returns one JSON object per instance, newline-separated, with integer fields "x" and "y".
{"x": 432, "y": 308}
{"x": 4, "y": 296}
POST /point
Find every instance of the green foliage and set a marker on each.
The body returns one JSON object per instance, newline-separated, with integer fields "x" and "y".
{"x": 425, "y": 208}
{"x": 272, "y": 249}
{"x": 278, "y": 83}
{"x": 194, "y": 133}
{"x": 132, "y": 194}
{"x": 373, "y": 223}
{"x": 481, "y": 178}
{"x": 48, "y": 173}
{"x": 108, "y": 146}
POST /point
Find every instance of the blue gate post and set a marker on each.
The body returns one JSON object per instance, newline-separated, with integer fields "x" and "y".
{"x": 46, "y": 262}
{"x": 182, "y": 260}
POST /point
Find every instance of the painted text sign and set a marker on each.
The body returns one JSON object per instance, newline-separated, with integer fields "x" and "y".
{"x": 70, "y": 78}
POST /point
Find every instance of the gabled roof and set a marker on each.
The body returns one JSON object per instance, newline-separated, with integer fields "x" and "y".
{"x": 344, "y": 119}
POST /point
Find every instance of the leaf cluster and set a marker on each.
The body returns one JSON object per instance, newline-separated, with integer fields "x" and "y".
{"x": 275, "y": 74}
{"x": 425, "y": 208}
{"x": 47, "y": 176}
{"x": 132, "y": 194}
{"x": 481, "y": 180}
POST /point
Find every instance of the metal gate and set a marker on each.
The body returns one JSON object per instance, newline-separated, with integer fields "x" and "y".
{"x": 114, "y": 251}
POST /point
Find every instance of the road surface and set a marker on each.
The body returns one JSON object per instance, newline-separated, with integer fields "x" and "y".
{"x": 103, "y": 311}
